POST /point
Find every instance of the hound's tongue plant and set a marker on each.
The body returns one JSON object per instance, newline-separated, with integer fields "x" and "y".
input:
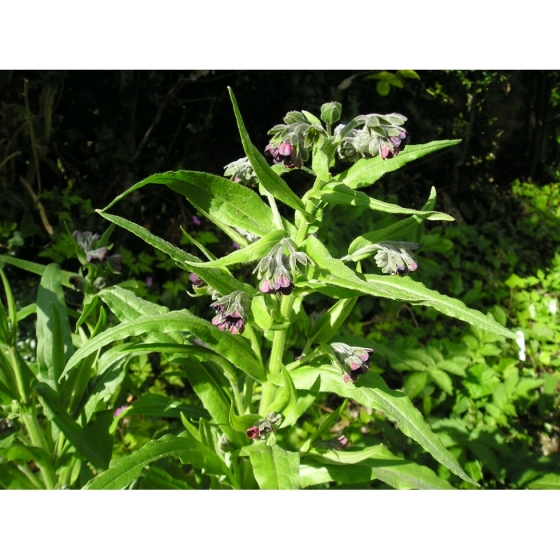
{"x": 240, "y": 364}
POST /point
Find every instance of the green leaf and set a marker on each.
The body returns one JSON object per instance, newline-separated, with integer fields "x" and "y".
{"x": 54, "y": 338}
{"x": 37, "y": 268}
{"x": 163, "y": 407}
{"x": 242, "y": 423}
{"x": 373, "y": 392}
{"x": 127, "y": 306}
{"x": 325, "y": 425}
{"x": 286, "y": 398}
{"x": 442, "y": 380}
{"x": 339, "y": 193}
{"x": 333, "y": 272}
{"x": 221, "y": 281}
{"x": 217, "y": 198}
{"x": 399, "y": 231}
{"x": 329, "y": 323}
{"x": 260, "y": 312}
{"x": 185, "y": 447}
{"x": 414, "y": 383}
{"x": 269, "y": 180}
{"x": 253, "y": 252}
{"x": 383, "y": 465}
{"x": 550, "y": 481}
{"x": 409, "y": 74}
{"x": 335, "y": 457}
{"x": 320, "y": 163}
{"x": 274, "y": 467}
{"x": 209, "y": 387}
{"x": 365, "y": 172}
{"x": 70, "y": 428}
{"x": 232, "y": 347}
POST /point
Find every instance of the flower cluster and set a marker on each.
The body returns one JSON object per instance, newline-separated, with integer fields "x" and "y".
{"x": 264, "y": 426}
{"x": 354, "y": 360}
{"x": 381, "y": 135}
{"x": 94, "y": 254}
{"x": 231, "y": 313}
{"x": 242, "y": 172}
{"x": 396, "y": 257}
{"x": 276, "y": 269}
{"x": 291, "y": 142}
{"x": 284, "y": 153}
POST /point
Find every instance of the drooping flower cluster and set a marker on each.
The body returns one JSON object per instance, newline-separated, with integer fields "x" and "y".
{"x": 276, "y": 269}
{"x": 264, "y": 426}
{"x": 396, "y": 257}
{"x": 381, "y": 135}
{"x": 242, "y": 172}
{"x": 93, "y": 256}
{"x": 291, "y": 142}
{"x": 354, "y": 360}
{"x": 231, "y": 313}
{"x": 87, "y": 242}
{"x": 284, "y": 153}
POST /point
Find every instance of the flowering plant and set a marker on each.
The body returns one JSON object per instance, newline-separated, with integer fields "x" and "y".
{"x": 262, "y": 361}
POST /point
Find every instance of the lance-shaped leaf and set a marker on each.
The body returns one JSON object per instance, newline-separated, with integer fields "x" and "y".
{"x": 399, "y": 231}
{"x": 333, "y": 272}
{"x": 285, "y": 399}
{"x": 274, "y": 468}
{"x": 37, "y": 268}
{"x": 366, "y": 171}
{"x": 232, "y": 347}
{"x": 269, "y": 180}
{"x": 331, "y": 321}
{"x": 382, "y": 465}
{"x": 242, "y": 423}
{"x": 164, "y": 407}
{"x": 218, "y": 279}
{"x": 229, "y": 203}
{"x": 76, "y": 435}
{"x": 339, "y": 193}
{"x": 373, "y": 392}
{"x": 253, "y": 252}
{"x": 185, "y": 447}
{"x": 54, "y": 338}
{"x": 209, "y": 385}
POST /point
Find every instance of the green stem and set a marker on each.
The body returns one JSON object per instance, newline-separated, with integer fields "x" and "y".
{"x": 33, "y": 479}
{"x": 248, "y": 393}
{"x": 24, "y": 397}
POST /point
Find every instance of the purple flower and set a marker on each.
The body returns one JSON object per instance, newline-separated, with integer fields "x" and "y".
{"x": 354, "y": 360}
{"x": 119, "y": 411}
{"x": 253, "y": 432}
{"x": 196, "y": 221}
{"x": 276, "y": 269}
{"x": 396, "y": 257}
{"x": 236, "y": 245}
{"x": 87, "y": 242}
{"x": 149, "y": 282}
{"x": 197, "y": 282}
{"x": 233, "y": 322}
{"x": 230, "y": 312}
{"x": 284, "y": 153}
